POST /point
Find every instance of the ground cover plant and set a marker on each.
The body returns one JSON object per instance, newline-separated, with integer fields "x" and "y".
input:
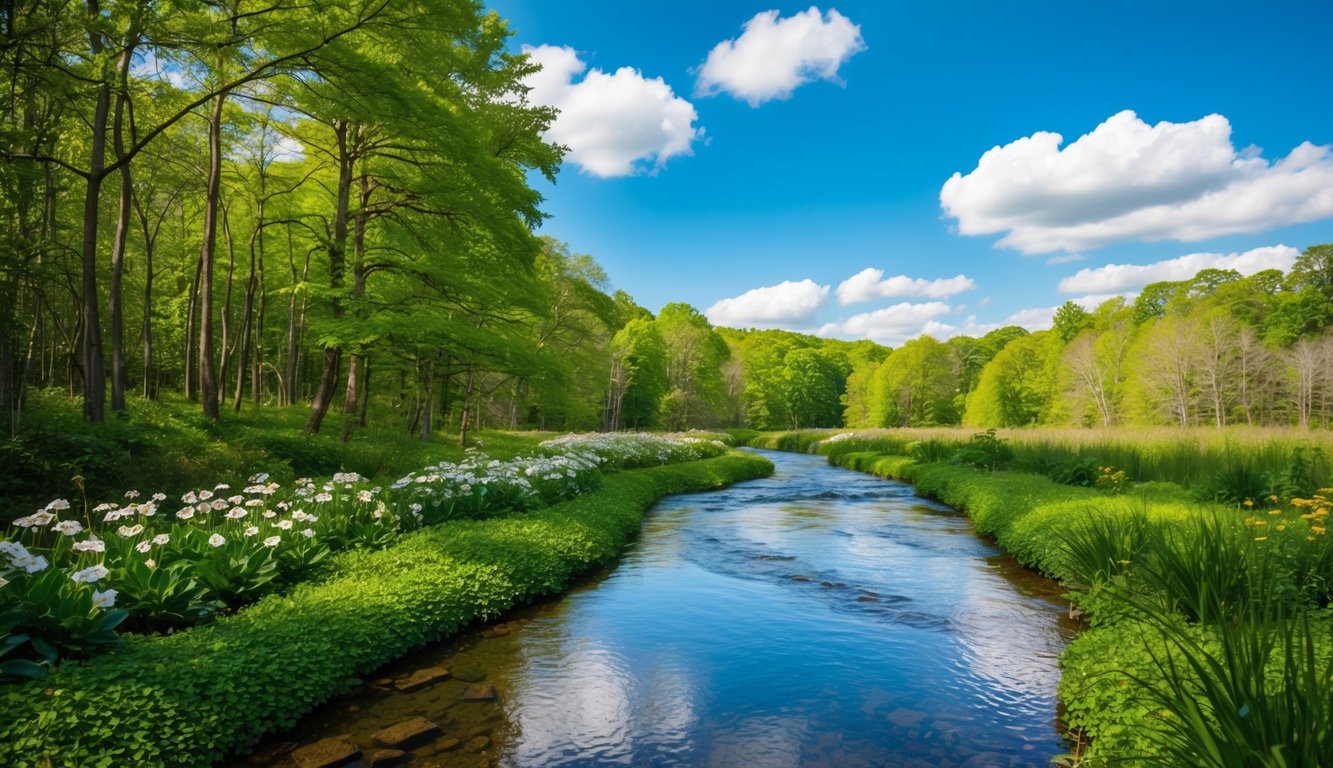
{"x": 1211, "y": 639}
{"x": 72, "y": 576}
{"x": 195, "y": 697}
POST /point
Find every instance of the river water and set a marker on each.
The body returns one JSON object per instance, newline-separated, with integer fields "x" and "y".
{"x": 818, "y": 617}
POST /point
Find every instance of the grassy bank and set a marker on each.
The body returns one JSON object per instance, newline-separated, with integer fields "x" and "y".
{"x": 198, "y": 696}
{"x": 1212, "y": 639}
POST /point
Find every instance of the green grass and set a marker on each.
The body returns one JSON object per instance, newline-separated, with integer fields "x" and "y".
{"x": 199, "y": 696}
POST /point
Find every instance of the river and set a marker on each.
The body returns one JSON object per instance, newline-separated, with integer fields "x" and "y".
{"x": 818, "y": 617}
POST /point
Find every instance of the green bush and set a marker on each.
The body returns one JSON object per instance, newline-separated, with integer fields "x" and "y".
{"x": 197, "y": 696}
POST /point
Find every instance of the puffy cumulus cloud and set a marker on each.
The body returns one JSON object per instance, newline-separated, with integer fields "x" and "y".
{"x": 774, "y": 56}
{"x": 613, "y": 123}
{"x": 1123, "y": 277}
{"x": 870, "y": 284}
{"x": 890, "y": 325}
{"x": 1127, "y": 180}
{"x": 787, "y": 303}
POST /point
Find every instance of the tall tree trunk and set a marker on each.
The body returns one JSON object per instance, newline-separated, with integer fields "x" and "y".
{"x": 90, "y": 346}
{"x": 467, "y": 401}
{"x": 191, "y": 318}
{"x": 228, "y": 341}
{"x": 328, "y": 379}
{"x": 115, "y": 302}
{"x": 351, "y": 397}
{"x": 208, "y": 383}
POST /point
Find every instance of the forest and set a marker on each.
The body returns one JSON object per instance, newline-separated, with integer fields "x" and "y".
{"x": 291, "y": 206}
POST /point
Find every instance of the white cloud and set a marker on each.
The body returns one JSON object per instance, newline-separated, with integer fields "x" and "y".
{"x": 1066, "y": 258}
{"x": 774, "y": 56}
{"x": 1114, "y": 278}
{"x": 775, "y": 305}
{"x": 614, "y": 124}
{"x": 1127, "y": 180}
{"x": 890, "y": 325}
{"x": 870, "y": 284}
{"x": 287, "y": 149}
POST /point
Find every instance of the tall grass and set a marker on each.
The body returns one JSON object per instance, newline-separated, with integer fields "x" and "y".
{"x": 1190, "y": 458}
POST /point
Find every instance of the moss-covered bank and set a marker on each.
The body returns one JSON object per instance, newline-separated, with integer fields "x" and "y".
{"x": 198, "y": 696}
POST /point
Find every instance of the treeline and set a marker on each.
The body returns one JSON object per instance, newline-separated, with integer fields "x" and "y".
{"x": 1216, "y": 349}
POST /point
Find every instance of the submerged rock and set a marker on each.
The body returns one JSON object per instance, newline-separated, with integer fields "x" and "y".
{"x": 383, "y": 758}
{"x": 479, "y": 692}
{"x": 422, "y": 678}
{"x": 326, "y": 753}
{"x": 408, "y": 733}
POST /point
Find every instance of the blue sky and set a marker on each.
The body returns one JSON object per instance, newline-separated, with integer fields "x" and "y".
{"x": 750, "y": 158}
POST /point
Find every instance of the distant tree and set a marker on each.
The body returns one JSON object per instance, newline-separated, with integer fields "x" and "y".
{"x": 1070, "y": 320}
{"x": 1015, "y": 388}
{"x": 1314, "y": 269}
{"x": 1152, "y": 301}
{"x": 915, "y": 386}
{"x": 694, "y": 356}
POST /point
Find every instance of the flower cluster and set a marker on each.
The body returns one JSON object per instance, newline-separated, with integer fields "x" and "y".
{"x": 616, "y": 450}
{"x": 1111, "y": 479}
{"x": 1312, "y": 514}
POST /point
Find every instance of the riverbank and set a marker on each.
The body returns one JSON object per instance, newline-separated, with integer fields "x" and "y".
{"x": 196, "y": 697}
{"x": 1210, "y": 636}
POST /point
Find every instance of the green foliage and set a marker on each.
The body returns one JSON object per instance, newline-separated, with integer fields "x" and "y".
{"x": 985, "y": 451}
{"x": 198, "y": 696}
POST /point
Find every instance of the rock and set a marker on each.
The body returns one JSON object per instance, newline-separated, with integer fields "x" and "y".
{"x": 383, "y": 758}
{"x": 449, "y": 744}
{"x": 480, "y": 729}
{"x": 384, "y": 682}
{"x": 479, "y": 692}
{"x": 986, "y": 760}
{"x": 826, "y": 584}
{"x": 469, "y": 674}
{"x": 408, "y": 733}
{"x": 867, "y": 599}
{"x": 906, "y": 718}
{"x": 800, "y": 578}
{"x": 422, "y": 678}
{"x": 326, "y": 753}
{"x": 477, "y": 744}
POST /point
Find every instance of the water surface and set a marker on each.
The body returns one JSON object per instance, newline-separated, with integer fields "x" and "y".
{"x": 819, "y": 617}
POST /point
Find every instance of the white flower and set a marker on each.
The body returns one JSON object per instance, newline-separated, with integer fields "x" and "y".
{"x": 285, "y": 525}
{"x": 222, "y": 487}
{"x": 252, "y": 503}
{"x": 148, "y": 510}
{"x": 323, "y": 497}
{"x": 162, "y": 538}
{"x": 150, "y": 562}
{"x": 204, "y": 507}
{"x": 105, "y": 598}
{"x": 13, "y": 549}
{"x": 364, "y": 497}
{"x": 35, "y": 520}
{"x": 159, "y": 497}
{"x": 68, "y": 527}
{"x": 190, "y": 498}
{"x": 91, "y": 545}
{"x": 262, "y": 477}
{"x": 31, "y": 563}
{"x": 126, "y": 531}
{"x": 312, "y": 518}
{"x": 237, "y": 513}
{"x": 131, "y": 494}
{"x": 90, "y": 574}
{"x": 219, "y": 504}
{"x": 252, "y": 530}
{"x": 57, "y": 504}
{"x": 415, "y": 507}
{"x": 143, "y": 546}
{"x": 216, "y": 540}
{"x": 300, "y": 516}
{"x": 186, "y": 514}
{"x": 270, "y": 514}
{"x": 309, "y": 533}
{"x": 272, "y": 541}
{"x": 205, "y": 495}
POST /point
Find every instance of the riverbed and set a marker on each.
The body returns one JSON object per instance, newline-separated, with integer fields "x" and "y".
{"x": 818, "y": 617}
